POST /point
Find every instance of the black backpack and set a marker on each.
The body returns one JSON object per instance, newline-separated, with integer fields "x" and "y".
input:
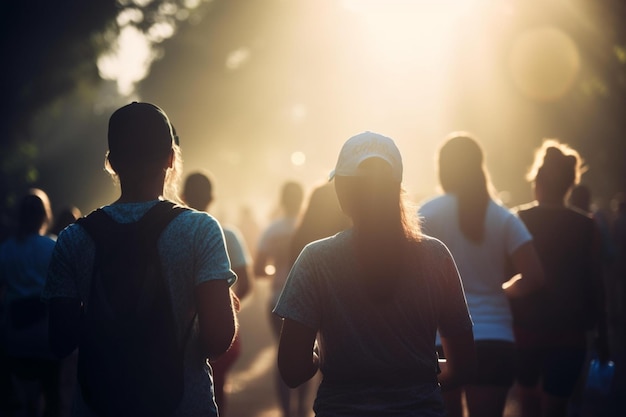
{"x": 130, "y": 362}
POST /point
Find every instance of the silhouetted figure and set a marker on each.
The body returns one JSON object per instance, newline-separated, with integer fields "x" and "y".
{"x": 322, "y": 218}
{"x": 486, "y": 241}
{"x": 274, "y": 249}
{"x": 145, "y": 158}
{"x": 364, "y": 305}
{"x": 618, "y": 270}
{"x": 249, "y": 228}
{"x": 551, "y": 324}
{"x": 64, "y": 218}
{"x": 24, "y": 261}
{"x": 580, "y": 198}
{"x": 198, "y": 194}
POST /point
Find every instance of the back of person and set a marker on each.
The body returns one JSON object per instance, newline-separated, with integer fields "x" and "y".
{"x": 563, "y": 238}
{"x": 551, "y": 325}
{"x": 145, "y": 157}
{"x": 482, "y": 265}
{"x": 490, "y": 245}
{"x": 374, "y": 296}
{"x": 274, "y": 247}
{"x": 189, "y": 237}
{"x": 24, "y": 260}
{"x": 393, "y": 337}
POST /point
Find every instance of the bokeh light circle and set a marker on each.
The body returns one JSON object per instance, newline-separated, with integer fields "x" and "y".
{"x": 544, "y": 63}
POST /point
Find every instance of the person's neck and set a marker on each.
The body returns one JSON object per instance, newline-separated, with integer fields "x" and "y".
{"x": 140, "y": 194}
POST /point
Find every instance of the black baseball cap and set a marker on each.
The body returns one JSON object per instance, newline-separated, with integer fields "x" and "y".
{"x": 140, "y": 130}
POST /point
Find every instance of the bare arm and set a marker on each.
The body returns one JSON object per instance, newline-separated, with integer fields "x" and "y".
{"x": 460, "y": 360}
{"x": 216, "y": 317}
{"x": 529, "y": 271}
{"x": 297, "y": 361}
{"x": 64, "y": 325}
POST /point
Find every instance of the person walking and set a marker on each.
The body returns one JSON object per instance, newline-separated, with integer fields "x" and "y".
{"x": 24, "y": 260}
{"x": 274, "y": 248}
{"x": 145, "y": 157}
{"x": 551, "y": 325}
{"x": 489, "y": 245}
{"x": 364, "y": 305}
{"x": 198, "y": 194}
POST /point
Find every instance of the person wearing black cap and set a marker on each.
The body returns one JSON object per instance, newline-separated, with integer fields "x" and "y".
{"x": 374, "y": 297}
{"x": 145, "y": 158}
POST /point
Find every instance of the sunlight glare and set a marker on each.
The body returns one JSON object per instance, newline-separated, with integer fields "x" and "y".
{"x": 237, "y": 58}
{"x": 130, "y": 15}
{"x": 160, "y": 31}
{"x": 298, "y": 158}
{"x": 298, "y": 112}
{"x": 128, "y": 61}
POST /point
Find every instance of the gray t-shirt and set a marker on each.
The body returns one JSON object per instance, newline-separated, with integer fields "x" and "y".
{"x": 192, "y": 251}
{"x": 362, "y": 342}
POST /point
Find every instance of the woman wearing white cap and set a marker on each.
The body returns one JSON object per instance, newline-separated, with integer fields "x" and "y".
{"x": 374, "y": 296}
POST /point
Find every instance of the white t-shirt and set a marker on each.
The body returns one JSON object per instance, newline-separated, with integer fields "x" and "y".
{"x": 483, "y": 266}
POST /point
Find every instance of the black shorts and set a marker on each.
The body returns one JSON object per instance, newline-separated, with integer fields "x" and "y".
{"x": 557, "y": 368}
{"x": 496, "y": 363}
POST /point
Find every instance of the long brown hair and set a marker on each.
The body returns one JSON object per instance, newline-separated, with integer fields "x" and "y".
{"x": 384, "y": 227}
{"x": 462, "y": 172}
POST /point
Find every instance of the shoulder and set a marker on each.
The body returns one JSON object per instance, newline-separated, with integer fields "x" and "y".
{"x": 432, "y": 245}
{"x": 232, "y": 232}
{"x": 524, "y": 208}
{"x": 331, "y": 245}
{"x": 73, "y": 235}
{"x": 498, "y": 211}
{"x": 440, "y": 200}
{"x": 437, "y": 207}
{"x": 192, "y": 227}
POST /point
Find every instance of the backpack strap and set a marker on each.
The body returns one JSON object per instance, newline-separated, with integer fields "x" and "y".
{"x": 99, "y": 225}
{"x": 152, "y": 224}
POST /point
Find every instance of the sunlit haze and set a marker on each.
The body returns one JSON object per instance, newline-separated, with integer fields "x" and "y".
{"x": 264, "y": 92}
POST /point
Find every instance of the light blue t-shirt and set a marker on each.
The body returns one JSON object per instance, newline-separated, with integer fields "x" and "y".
{"x": 238, "y": 252}
{"x": 23, "y": 266}
{"x": 192, "y": 251}
{"x": 483, "y": 266}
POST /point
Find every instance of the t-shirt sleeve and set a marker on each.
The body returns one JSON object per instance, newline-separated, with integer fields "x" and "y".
{"x": 212, "y": 261}
{"x": 299, "y": 300}
{"x": 454, "y": 317}
{"x": 62, "y": 280}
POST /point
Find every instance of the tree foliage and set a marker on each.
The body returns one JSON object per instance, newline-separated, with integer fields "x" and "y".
{"x": 50, "y": 49}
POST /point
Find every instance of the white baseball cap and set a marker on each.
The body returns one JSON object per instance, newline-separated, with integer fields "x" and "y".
{"x": 364, "y": 146}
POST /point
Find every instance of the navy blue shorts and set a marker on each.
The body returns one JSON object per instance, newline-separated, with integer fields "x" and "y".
{"x": 496, "y": 363}
{"x": 558, "y": 368}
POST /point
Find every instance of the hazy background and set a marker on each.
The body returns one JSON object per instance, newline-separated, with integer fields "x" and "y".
{"x": 264, "y": 91}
